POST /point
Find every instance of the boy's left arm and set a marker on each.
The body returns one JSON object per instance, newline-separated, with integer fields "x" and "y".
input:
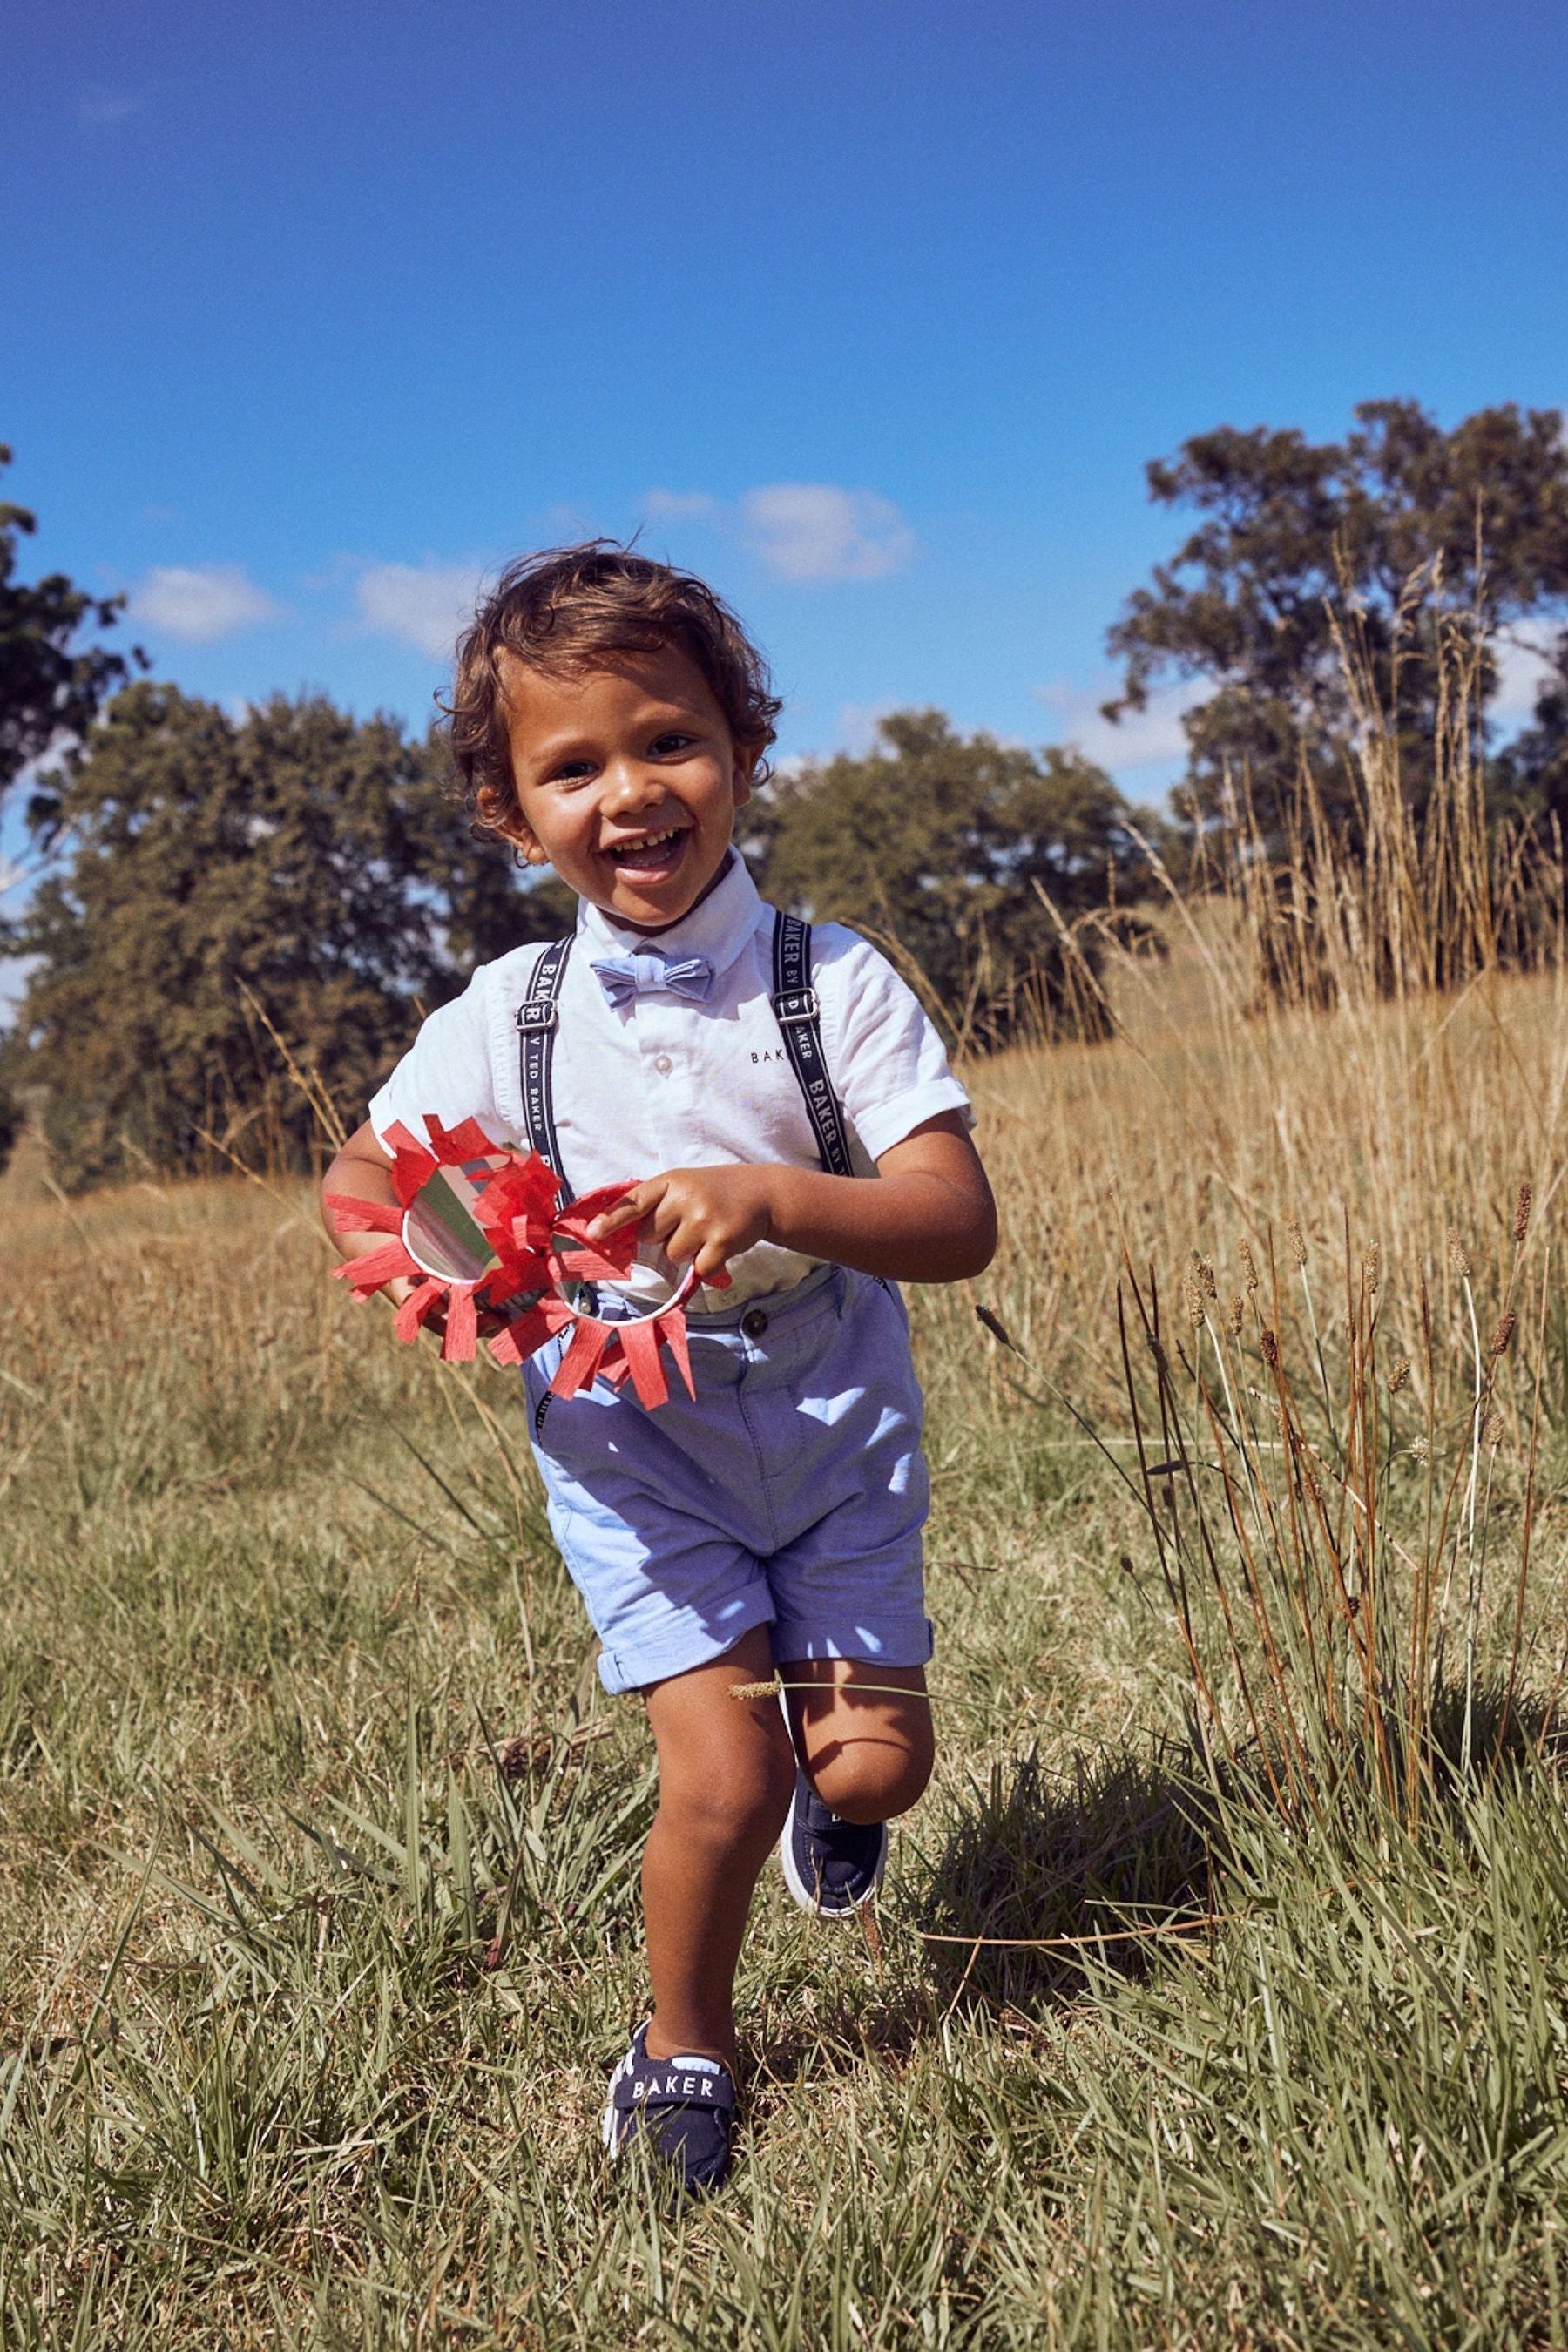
{"x": 930, "y": 1218}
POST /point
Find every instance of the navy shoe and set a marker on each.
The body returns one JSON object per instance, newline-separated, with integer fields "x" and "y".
{"x": 831, "y": 1867}
{"x": 684, "y": 2107}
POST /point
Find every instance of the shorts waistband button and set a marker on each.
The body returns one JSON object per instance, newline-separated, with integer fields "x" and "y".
{"x": 754, "y": 1323}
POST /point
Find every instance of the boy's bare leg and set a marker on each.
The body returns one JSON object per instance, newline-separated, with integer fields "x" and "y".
{"x": 726, "y": 1775}
{"x": 867, "y": 1752}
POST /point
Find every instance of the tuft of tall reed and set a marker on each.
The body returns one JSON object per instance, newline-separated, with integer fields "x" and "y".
{"x": 1335, "y": 1521}
{"x": 1424, "y": 885}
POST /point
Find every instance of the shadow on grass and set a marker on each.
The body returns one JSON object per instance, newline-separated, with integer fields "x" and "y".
{"x": 1041, "y": 1879}
{"x": 1044, "y": 1882}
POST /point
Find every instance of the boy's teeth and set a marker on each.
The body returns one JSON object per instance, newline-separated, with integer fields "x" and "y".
{"x": 652, "y": 841}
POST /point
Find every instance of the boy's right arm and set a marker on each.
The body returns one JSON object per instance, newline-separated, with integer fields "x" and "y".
{"x": 363, "y": 1170}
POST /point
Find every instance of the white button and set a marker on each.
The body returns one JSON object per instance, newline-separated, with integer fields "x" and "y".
{"x": 663, "y": 1065}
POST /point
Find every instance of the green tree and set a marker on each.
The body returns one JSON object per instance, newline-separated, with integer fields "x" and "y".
{"x": 935, "y": 841}
{"x": 50, "y": 686}
{"x": 13, "y": 1119}
{"x": 298, "y": 863}
{"x": 1400, "y": 525}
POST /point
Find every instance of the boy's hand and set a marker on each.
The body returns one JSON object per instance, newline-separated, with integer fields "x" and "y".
{"x": 930, "y": 1217}
{"x": 699, "y": 1216}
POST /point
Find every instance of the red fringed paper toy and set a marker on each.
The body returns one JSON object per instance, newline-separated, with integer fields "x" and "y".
{"x": 476, "y": 1227}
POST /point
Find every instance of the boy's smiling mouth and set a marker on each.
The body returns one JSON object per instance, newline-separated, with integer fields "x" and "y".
{"x": 650, "y": 853}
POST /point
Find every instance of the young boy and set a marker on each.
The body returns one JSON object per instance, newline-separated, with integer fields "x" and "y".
{"x": 609, "y": 717}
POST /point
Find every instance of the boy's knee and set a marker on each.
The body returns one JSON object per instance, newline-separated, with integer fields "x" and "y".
{"x": 867, "y": 1783}
{"x": 736, "y": 1801}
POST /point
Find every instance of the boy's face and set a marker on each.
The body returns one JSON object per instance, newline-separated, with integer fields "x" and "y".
{"x": 628, "y": 782}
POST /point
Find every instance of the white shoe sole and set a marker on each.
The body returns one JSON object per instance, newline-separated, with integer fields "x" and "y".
{"x": 806, "y": 1896}
{"x": 607, "y": 2120}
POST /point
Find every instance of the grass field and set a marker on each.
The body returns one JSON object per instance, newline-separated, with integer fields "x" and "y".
{"x": 298, "y": 1713}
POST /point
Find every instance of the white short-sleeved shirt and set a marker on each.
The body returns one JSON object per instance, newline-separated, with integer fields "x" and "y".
{"x": 665, "y": 1082}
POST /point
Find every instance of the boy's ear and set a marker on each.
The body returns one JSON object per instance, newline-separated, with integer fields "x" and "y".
{"x": 745, "y": 772}
{"x": 522, "y": 838}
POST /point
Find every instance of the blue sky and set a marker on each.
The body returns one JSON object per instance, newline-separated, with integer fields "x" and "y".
{"x": 872, "y": 312}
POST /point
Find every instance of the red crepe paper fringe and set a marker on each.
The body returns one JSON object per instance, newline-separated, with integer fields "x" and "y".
{"x": 580, "y": 1364}
{"x": 460, "y": 1338}
{"x": 416, "y": 1307}
{"x": 353, "y": 1216}
{"x": 366, "y": 1274}
{"x": 516, "y": 1208}
{"x": 639, "y": 1345}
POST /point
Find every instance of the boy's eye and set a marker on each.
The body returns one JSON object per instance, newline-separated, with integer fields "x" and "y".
{"x": 572, "y": 771}
{"x": 663, "y": 745}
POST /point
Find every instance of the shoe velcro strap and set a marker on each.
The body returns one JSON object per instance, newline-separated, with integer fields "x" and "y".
{"x": 658, "y": 2084}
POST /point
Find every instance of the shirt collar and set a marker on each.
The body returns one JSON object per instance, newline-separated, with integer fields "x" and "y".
{"x": 718, "y": 928}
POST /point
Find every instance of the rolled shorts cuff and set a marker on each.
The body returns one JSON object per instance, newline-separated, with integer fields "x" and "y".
{"x": 903, "y": 1641}
{"x": 686, "y": 1644}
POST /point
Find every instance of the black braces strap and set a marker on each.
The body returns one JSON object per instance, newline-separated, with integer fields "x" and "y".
{"x": 538, "y": 1017}
{"x": 799, "y": 1016}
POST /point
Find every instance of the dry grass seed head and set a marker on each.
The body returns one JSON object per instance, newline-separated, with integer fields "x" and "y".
{"x": 1248, "y": 1267}
{"x": 1459, "y": 1264}
{"x": 1293, "y": 1236}
{"x": 1522, "y": 1213}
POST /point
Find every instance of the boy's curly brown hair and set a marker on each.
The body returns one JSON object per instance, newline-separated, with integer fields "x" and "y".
{"x": 565, "y": 609}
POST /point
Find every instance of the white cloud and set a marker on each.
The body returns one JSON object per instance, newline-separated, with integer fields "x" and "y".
{"x": 15, "y": 971}
{"x": 200, "y": 603}
{"x": 679, "y": 505}
{"x": 564, "y": 523}
{"x": 1141, "y": 739}
{"x": 1524, "y": 658}
{"x": 426, "y": 604}
{"x": 100, "y": 108}
{"x": 858, "y": 726}
{"x": 811, "y": 530}
{"x": 803, "y": 531}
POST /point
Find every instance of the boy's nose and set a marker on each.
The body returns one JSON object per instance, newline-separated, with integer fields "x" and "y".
{"x": 631, "y": 785}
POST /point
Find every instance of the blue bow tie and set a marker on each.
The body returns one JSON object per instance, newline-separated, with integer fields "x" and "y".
{"x": 625, "y": 976}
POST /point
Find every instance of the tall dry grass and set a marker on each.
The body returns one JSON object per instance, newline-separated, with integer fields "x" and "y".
{"x": 1418, "y": 884}
{"x": 1323, "y": 1156}
{"x": 1226, "y": 1107}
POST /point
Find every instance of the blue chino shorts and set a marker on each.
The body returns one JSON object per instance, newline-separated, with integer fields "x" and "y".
{"x": 792, "y": 1492}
